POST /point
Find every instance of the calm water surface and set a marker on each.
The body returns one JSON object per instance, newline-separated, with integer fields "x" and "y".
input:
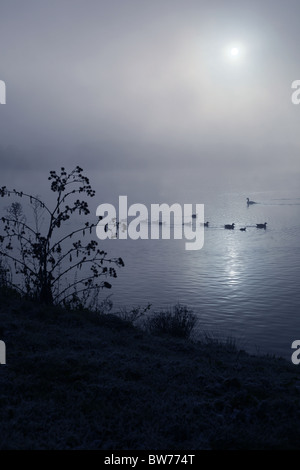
{"x": 241, "y": 284}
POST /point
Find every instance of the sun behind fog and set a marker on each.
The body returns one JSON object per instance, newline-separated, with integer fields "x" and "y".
{"x": 234, "y": 51}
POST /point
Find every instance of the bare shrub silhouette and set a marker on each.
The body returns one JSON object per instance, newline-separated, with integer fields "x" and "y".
{"x": 178, "y": 321}
{"x": 43, "y": 263}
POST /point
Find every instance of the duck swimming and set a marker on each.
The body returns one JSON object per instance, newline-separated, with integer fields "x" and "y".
{"x": 229, "y": 226}
{"x": 249, "y": 203}
{"x": 262, "y": 225}
{"x": 243, "y": 229}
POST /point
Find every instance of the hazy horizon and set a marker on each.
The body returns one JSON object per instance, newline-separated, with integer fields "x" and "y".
{"x": 146, "y": 97}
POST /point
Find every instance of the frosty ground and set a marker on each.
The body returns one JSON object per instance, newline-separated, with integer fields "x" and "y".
{"x": 78, "y": 380}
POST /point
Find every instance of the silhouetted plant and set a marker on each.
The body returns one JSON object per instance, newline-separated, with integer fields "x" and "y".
{"x": 4, "y": 274}
{"x": 45, "y": 261}
{"x": 227, "y": 344}
{"x": 178, "y": 322}
{"x": 134, "y": 314}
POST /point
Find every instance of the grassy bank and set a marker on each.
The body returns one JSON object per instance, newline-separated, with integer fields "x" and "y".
{"x": 82, "y": 381}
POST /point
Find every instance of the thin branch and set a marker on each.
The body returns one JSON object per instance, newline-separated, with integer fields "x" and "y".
{"x": 18, "y": 261}
{"x": 83, "y": 290}
{"x": 11, "y": 235}
{"x": 80, "y": 249}
{"x": 83, "y": 261}
{"x": 81, "y": 281}
{"x": 71, "y": 235}
{"x": 21, "y": 194}
{"x": 5, "y": 219}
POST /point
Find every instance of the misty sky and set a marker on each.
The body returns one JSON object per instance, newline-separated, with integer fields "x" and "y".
{"x": 145, "y": 96}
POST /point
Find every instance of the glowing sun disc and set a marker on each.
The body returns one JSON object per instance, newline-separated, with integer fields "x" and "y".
{"x": 234, "y": 51}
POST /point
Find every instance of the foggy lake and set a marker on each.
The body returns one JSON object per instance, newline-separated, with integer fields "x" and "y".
{"x": 243, "y": 284}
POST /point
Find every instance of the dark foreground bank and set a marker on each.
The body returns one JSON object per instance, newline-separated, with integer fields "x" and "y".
{"x": 82, "y": 381}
